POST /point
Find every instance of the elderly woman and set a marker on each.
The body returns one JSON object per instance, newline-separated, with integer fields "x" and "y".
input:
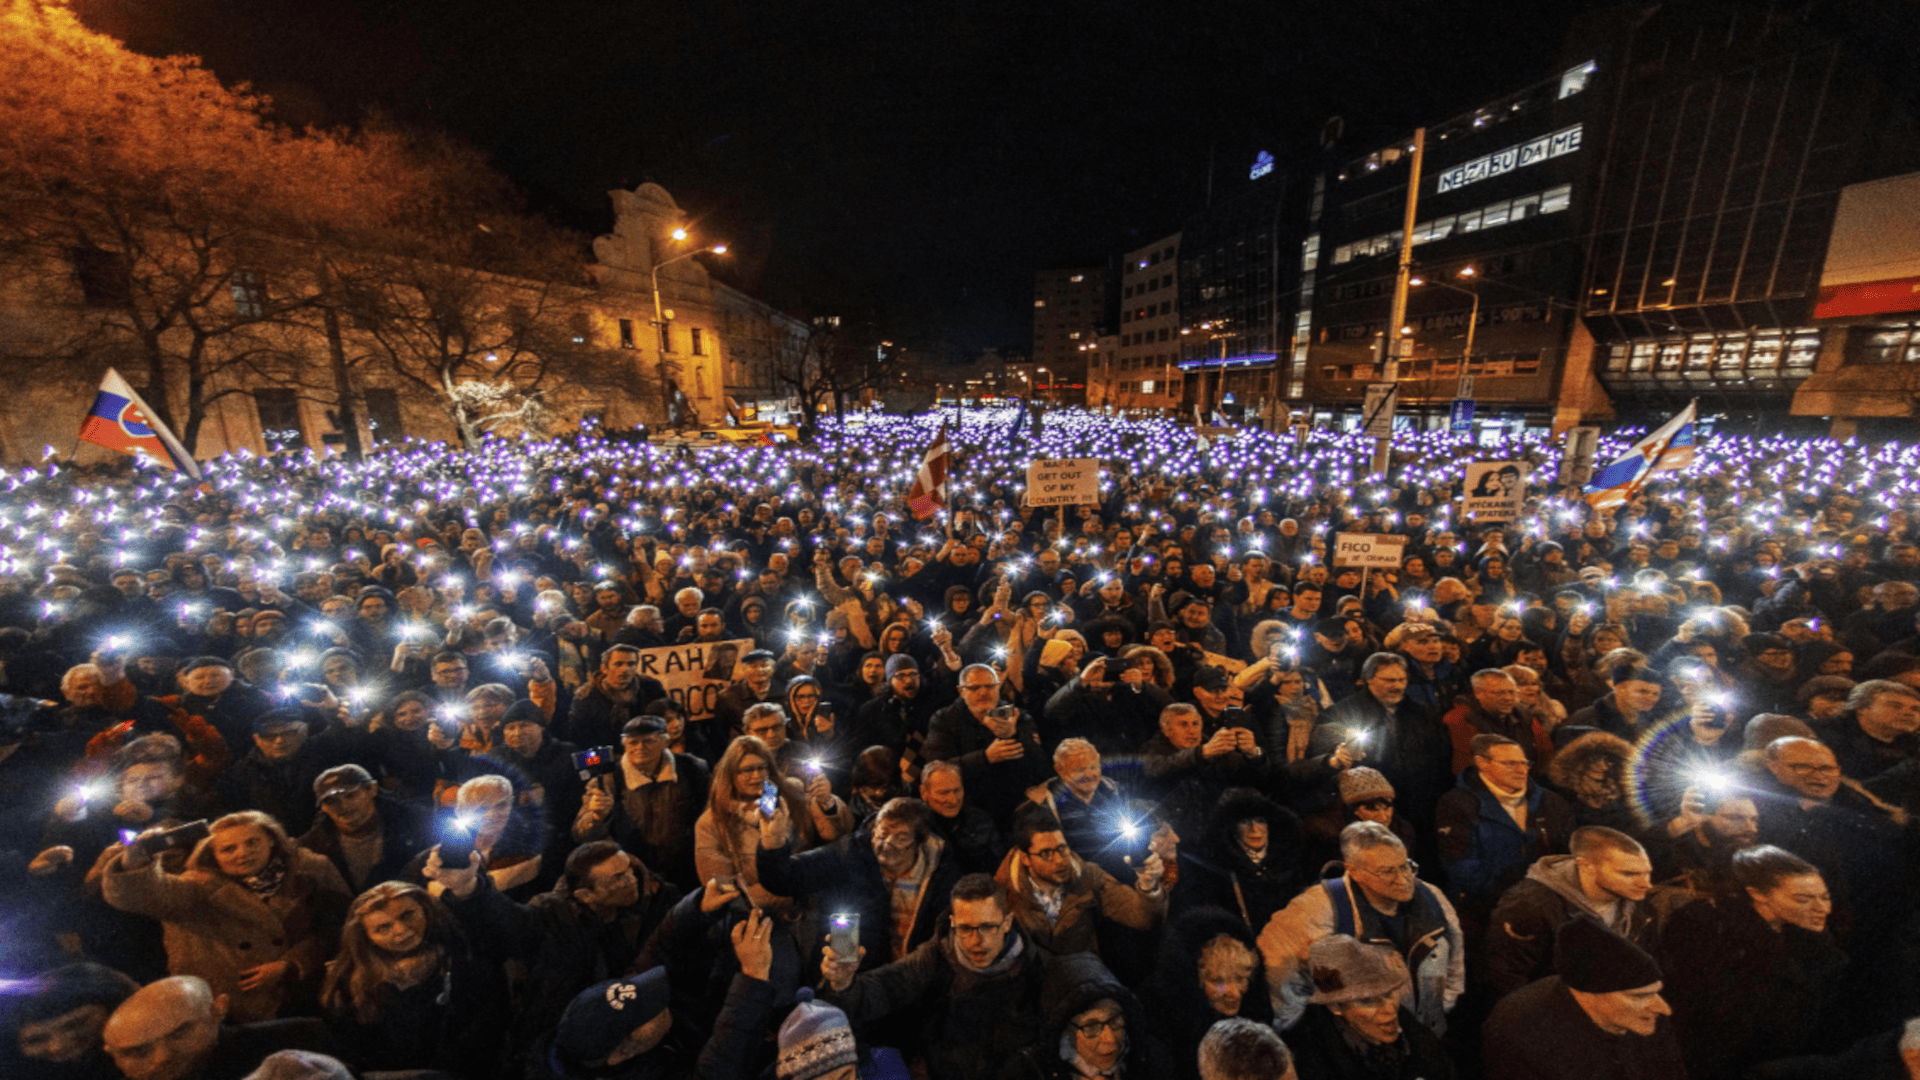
{"x": 253, "y": 913}
{"x": 409, "y": 990}
{"x": 1093, "y": 1027}
{"x": 727, "y": 837}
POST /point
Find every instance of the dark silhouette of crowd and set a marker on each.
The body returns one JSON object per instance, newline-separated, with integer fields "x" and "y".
{"x": 587, "y": 760}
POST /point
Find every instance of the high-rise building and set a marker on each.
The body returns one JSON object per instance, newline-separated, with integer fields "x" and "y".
{"x": 1144, "y": 371}
{"x": 1230, "y": 281}
{"x": 1069, "y": 308}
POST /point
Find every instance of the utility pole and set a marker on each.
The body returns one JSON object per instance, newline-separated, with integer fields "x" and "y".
{"x": 1398, "y": 344}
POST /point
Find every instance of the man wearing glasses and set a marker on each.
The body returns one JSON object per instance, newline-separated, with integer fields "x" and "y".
{"x": 650, "y": 802}
{"x": 977, "y": 992}
{"x": 997, "y": 748}
{"x": 1380, "y": 901}
{"x": 1397, "y": 737}
{"x": 1807, "y": 808}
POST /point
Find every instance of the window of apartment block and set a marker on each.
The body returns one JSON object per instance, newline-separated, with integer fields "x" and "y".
{"x": 626, "y": 333}
{"x": 699, "y": 342}
{"x": 666, "y": 337}
{"x": 280, "y": 423}
{"x": 383, "y": 414}
{"x": 249, "y": 293}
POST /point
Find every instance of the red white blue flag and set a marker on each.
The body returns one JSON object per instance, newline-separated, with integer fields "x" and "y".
{"x": 121, "y": 421}
{"x": 1665, "y": 449}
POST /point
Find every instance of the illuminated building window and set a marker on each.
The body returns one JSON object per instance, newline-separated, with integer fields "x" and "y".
{"x": 1575, "y": 79}
{"x": 626, "y": 333}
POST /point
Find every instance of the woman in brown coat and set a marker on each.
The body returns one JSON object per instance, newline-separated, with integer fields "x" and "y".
{"x": 253, "y": 913}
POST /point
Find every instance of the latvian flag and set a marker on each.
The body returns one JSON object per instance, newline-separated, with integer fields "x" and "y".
{"x": 928, "y": 496}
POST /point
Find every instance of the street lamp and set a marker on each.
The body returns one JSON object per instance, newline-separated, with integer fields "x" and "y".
{"x": 1048, "y": 386}
{"x": 659, "y": 319}
{"x": 1473, "y": 318}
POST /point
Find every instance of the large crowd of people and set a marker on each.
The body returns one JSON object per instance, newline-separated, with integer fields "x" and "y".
{"x": 585, "y": 759}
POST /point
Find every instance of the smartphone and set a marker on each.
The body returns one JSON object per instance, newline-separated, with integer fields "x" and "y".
{"x": 594, "y": 761}
{"x": 180, "y": 836}
{"x": 456, "y": 848}
{"x": 769, "y": 799}
{"x": 843, "y": 935}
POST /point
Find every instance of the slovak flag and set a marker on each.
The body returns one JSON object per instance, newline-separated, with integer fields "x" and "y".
{"x": 929, "y": 492}
{"x": 1665, "y": 449}
{"x": 121, "y": 421}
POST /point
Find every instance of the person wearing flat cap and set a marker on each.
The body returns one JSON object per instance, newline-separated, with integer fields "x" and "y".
{"x": 1600, "y": 1016}
{"x": 1357, "y": 1025}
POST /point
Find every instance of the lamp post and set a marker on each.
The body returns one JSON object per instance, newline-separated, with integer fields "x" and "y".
{"x": 1473, "y": 319}
{"x": 659, "y": 318}
{"x": 1216, "y": 332}
{"x": 1048, "y": 386}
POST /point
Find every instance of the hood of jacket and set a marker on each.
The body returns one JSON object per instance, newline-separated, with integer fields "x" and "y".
{"x": 1074, "y": 982}
{"x": 1559, "y": 873}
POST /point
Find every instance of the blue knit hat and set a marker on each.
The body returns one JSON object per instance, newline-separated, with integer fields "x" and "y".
{"x": 814, "y": 1040}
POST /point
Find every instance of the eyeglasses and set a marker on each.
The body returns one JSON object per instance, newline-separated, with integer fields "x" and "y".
{"x": 1093, "y": 1029}
{"x": 982, "y": 930}
{"x": 1408, "y": 869}
{"x": 977, "y": 688}
{"x": 1058, "y": 851}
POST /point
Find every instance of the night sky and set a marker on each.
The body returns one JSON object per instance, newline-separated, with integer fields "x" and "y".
{"x": 907, "y": 162}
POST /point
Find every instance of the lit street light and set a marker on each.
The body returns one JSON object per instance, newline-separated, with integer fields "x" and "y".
{"x": 1473, "y": 319}
{"x": 659, "y": 318}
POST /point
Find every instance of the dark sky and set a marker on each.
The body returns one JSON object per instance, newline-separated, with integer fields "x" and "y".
{"x": 913, "y": 162}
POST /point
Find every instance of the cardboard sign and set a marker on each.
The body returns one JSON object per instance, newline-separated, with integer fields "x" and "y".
{"x": 1496, "y": 490}
{"x": 1376, "y": 412}
{"x": 1063, "y": 482}
{"x": 696, "y": 672}
{"x": 1367, "y": 549}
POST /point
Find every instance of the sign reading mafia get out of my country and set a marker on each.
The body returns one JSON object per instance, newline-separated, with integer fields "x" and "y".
{"x": 1495, "y": 490}
{"x": 1063, "y": 482}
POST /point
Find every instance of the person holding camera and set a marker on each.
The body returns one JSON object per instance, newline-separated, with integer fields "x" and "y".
{"x": 648, "y": 799}
{"x": 253, "y": 913}
{"x": 997, "y": 746}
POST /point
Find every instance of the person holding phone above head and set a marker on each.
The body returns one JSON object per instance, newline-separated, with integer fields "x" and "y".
{"x": 253, "y": 913}
{"x": 997, "y": 746}
{"x": 747, "y": 788}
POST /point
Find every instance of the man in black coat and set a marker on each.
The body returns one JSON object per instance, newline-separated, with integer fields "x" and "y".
{"x": 1407, "y": 744}
{"x": 173, "y": 1030}
{"x": 369, "y": 836}
{"x": 1876, "y": 731}
{"x": 1600, "y": 1017}
{"x": 1000, "y": 757}
{"x": 977, "y": 991}
{"x": 649, "y": 801}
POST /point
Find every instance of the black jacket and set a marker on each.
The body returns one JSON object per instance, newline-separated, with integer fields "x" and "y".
{"x": 845, "y": 876}
{"x": 1540, "y": 1033}
{"x": 970, "y": 1024}
{"x": 1074, "y": 984}
{"x": 1178, "y": 1003}
{"x": 998, "y": 788}
{"x": 1321, "y": 1050}
{"x": 404, "y": 830}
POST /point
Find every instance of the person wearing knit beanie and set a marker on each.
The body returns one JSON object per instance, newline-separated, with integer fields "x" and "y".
{"x": 1362, "y": 784}
{"x": 816, "y": 1041}
{"x": 1600, "y": 1016}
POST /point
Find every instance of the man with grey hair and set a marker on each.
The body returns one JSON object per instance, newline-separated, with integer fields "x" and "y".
{"x": 1099, "y": 821}
{"x": 1878, "y": 729}
{"x": 1240, "y": 1049}
{"x": 1380, "y": 901}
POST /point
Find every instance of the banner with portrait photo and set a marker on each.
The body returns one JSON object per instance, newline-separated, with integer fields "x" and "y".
{"x": 1496, "y": 490}
{"x": 694, "y": 673}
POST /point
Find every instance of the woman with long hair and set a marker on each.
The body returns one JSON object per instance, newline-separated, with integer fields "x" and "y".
{"x": 418, "y": 755}
{"x": 727, "y": 837}
{"x": 408, "y": 989}
{"x": 253, "y": 913}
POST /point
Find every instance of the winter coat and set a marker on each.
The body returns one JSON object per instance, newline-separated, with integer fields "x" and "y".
{"x": 1073, "y": 985}
{"x": 1743, "y": 992}
{"x": 1322, "y": 1050}
{"x": 1178, "y": 1003}
{"x": 597, "y": 715}
{"x": 1435, "y": 960}
{"x": 1520, "y": 932}
{"x": 1468, "y": 719}
{"x": 1484, "y": 849}
{"x": 845, "y": 876}
{"x": 1089, "y": 895}
{"x": 453, "y": 1022}
{"x": 1540, "y": 1033}
{"x": 954, "y": 735}
{"x": 564, "y": 946}
{"x": 654, "y": 821}
{"x": 404, "y": 831}
{"x": 1406, "y": 744}
{"x": 217, "y": 928}
{"x": 970, "y": 1023}
{"x": 1218, "y": 873}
